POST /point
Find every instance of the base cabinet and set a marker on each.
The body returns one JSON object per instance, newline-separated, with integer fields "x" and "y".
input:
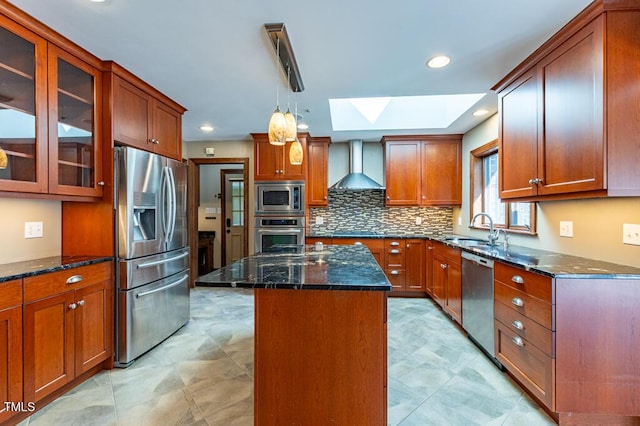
{"x": 10, "y": 346}
{"x": 447, "y": 280}
{"x": 66, "y": 333}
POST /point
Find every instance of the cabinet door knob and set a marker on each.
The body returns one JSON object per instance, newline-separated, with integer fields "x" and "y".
{"x": 531, "y": 181}
{"x": 443, "y": 265}
{"x": 388, "y": 198}
{"x": 518, "y": 324}
{"x": 73, "y": 306}
{"x": 517, "y": 279}
{"x": 517, "y": 302}
{"x": 424, "y": 197}
{"x": 74, "y": 279}
{"x": 325, "y": 197}
{"x": 518, "y": 341}
{"x": 101, "y": 183}
{"x": 430, "y": 248}
{"x": 81, "y": 302}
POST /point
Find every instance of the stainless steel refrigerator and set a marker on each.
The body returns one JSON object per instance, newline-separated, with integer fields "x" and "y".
{"x": 152, "y": 275}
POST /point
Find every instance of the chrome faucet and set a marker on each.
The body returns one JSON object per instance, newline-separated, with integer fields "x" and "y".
{"x": 493, "y": 235}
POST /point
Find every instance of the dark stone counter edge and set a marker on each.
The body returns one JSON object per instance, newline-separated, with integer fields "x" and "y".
{"x": 345, "y": 287}
{"x": 519, "y": 264}
{"x": 29, "y": 268}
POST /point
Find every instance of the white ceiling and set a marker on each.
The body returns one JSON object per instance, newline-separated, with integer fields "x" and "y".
{"x": 214, "y": 58}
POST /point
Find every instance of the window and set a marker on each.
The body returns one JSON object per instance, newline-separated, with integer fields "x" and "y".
{"x": 237, "y": 202}
{"x": 485, "y": 195}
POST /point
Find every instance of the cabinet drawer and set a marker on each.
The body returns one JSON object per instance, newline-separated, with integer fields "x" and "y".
{"x": 534, "y": 284}
{"x": 532, "y": 367}
{"x": 45, "y": 285}
{"x": 529, "y": 306}
{"x": 537, "y": 335}
{"x": 394, "y": 257}
{"x": 396, "y": 277}
{"x": 394, "y": 243}
{"x": 10, "y": 294}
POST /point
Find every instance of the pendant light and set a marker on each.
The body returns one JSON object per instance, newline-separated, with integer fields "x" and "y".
{"x": 292, "y": 127}
{"x": 277, "y": 124}
{"x": 4, "y": 161}
{"x": 295, "y": 151}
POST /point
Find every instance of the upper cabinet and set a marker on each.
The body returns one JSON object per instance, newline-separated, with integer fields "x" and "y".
{"x": 142, "y": 118}
{"x": 271, "y": 162}
{"x": 423, "y": 170}
{"x": 50, "y": 116}
{"x": 317, "y": 172}
{"x": 567, "y": 126}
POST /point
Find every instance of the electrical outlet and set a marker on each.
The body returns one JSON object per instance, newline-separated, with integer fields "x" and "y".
{"x": 33, "y": 230}
{"x": 418, "y": 220}
{"x": 319, "y": 220}
{"x": 459, "y": 220}
{"x": 631, "y": 234}
{"x": 566, "y": 228}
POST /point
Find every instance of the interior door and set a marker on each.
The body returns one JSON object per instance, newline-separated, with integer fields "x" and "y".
{"x": 234, "y": 215}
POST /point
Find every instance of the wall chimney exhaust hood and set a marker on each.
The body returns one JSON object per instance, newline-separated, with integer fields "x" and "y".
{"x": 356, "y": 180}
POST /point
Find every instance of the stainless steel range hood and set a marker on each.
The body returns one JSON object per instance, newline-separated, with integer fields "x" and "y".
{"x": 356, "y": 180}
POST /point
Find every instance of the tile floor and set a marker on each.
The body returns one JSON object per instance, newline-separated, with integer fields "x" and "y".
{"x": 202, "y": 375}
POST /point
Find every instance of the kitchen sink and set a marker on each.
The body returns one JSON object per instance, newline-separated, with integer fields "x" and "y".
{"x": 467, "y": 242}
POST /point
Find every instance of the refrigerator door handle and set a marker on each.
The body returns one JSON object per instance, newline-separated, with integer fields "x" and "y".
{"x": 173, "y": 209}
{"x": 160, "y": 262}
{"x": 166, "y": 198}
{"x": 173, "y": 284}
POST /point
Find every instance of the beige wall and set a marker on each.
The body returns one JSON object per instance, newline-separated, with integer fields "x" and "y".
{"x": 597, "y": 223}
{"x": 14, "y": 213}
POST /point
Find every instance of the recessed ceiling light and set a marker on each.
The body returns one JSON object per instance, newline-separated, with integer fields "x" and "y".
{"x": 480, "y": 112}
{"x": 206, "y": 128}
{"x": 97, "y": 1}
{"x": 438, "y": 61}
{"x": 303, "y": 126}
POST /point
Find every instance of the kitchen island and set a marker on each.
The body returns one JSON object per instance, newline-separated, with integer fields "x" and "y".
{"x": 320, "y": 334}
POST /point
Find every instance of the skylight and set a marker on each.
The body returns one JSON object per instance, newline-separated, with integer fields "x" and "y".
{"x": 400, "y": 112}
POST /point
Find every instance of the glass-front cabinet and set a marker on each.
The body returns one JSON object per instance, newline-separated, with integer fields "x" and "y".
{"x": 49, "y": 117}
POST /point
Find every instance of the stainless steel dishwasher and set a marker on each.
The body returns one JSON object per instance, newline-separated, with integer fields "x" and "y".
{"x": 477, "y": 302}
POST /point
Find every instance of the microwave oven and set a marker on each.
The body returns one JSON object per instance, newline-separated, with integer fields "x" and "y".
{"x": 282, "y": 198}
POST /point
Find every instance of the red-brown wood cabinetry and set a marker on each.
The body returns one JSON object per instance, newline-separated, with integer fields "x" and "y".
{"x": 10, "y": 346}
{"x": 317, "y": 172}
{"x": 271, "y": 162}
{"x": 564, "y": 127}
{"x": 423, "y": 170}
{"x": 447, "y": 279}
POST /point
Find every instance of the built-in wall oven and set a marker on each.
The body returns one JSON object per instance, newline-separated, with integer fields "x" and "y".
{"x": 281, "y": 198}
{"x": 281, "y": 230}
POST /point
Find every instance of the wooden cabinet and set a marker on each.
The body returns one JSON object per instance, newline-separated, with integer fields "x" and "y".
{"x": 68, "y": 320}
{"x": 271, "y": 162}
{"x": 51, "y": 133}
{"x": 563, "y": 131}
{"x": 317, "y": 192}
{"x": 423, "y": 170}
{"x": 447, "y": 280}
{"x": 524, "y": 329}
{"x": 10, "y": 345}
{"x": 143, "y": 118}
{"x": 428, "y": 264}
{"x": 404, "y": 264}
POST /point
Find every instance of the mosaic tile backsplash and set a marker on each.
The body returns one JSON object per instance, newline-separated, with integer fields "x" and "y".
{"x": 364, "y": 210}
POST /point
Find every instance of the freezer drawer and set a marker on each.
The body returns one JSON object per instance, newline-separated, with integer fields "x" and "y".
{"x": 149, "y": 314}
{"x": 137, "y": 272}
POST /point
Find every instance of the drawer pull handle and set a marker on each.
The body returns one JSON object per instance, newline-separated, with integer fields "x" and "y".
{"x": 517, "y": 279}
{"x": 75, "y": 279}
{"x": 394, "y": 251}
{"x": 394, "y": 272}
{"x": 73, "y": 306}
{"x": 357, "y": 243}
{"x": 518, "y": 341}
{"x": 517, "y": 302}
{"x": 518, "y": 324}
{"x": 80, "y": 302}
{"x": 395, "y": 244}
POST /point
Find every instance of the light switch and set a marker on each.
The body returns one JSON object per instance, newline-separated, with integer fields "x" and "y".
{"x": 319, "y": 220}
{"x": 631, "y": 234}
{"x": 33, "y": 230}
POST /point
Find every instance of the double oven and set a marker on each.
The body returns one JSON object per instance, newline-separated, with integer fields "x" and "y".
{"x": 279, "y": 215}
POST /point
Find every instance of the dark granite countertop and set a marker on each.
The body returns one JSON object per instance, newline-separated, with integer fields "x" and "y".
{"x": 27, "y": 268}
{"x": 545, "y": 262}
{"x": 335, "y": 267}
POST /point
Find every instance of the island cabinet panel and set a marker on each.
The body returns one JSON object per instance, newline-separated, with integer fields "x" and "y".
{"x": 571, "y": 100}
{"x": 597, "y": 367}
{"x": 320, "y": 357}
{"x": 10, "y": 345}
